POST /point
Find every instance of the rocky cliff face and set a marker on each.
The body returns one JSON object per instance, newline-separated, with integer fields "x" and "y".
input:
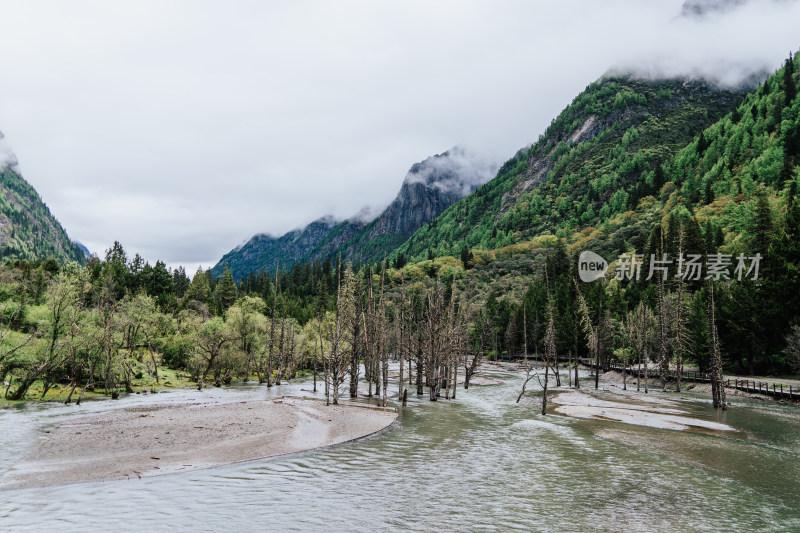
{"x": 429, "y": 187}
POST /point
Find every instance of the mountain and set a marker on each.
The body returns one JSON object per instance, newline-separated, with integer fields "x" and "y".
{"x": 86, "y": 253}
{"x": 648, "y": 167}
{"x": 595, "y": 161}
{"x": 27, "y": 228}
{"x": 428, "y": 188}
{"x": 264, "y": 251}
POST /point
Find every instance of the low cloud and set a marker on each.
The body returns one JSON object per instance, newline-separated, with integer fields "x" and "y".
{"x": 7, "y": 157}
{"x": 734, "y": 43}
{"x": 457, "y": 170}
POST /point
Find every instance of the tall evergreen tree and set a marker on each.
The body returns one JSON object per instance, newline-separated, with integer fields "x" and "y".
{"x": 225, "y": 293}
{"x": 789, "y": 88}
{"x": 762, "y": 232}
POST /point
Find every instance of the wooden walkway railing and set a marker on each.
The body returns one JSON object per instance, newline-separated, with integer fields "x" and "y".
{"x": 776, "y": 390}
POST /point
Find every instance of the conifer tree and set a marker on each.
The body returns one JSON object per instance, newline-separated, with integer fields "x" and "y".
{"x": 789, "y": 88}
{"x": 225, "y": 293}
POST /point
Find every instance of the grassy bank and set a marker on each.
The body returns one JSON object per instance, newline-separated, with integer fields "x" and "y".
{"x": 143, "y": 383}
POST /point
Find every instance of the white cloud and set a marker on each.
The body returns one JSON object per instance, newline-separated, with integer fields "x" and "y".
{"x": 457, "y": 170}
{"x": 182, "y": 128}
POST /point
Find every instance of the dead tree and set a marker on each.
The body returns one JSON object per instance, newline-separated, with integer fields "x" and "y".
{"x": 281, "y": 342}
{"x": 481, "y": 332}
{"x": 402, "y": 330}
{"x": 663, "y": 327}
{"x": 357, "y": 328}
{"x": 549, "y": 351}
{"x": 642, "y": 320}
{"x": 591, "y": 331}
{"x": 434, "y": 340}
{"x": 383, "y": 352}
{"x": 344, "y": 310}
{"x": 526, "y": 363}
{"x": 683, "y": 345}
{"x": 272, "y": 329}
{"x": 717, "y": 387}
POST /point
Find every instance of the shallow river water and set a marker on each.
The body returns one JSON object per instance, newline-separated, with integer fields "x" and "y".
{"x": 479, "y": 463}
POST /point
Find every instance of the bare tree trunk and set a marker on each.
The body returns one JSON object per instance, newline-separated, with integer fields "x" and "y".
{"x": 717, "y": 387}
{"x": 569, "y": 368}
{"x": 281, "y": 355}
{"x": 663, "y": 355}
{"x": 272, "y": 329}
{"x": 544, "y": 388}
{"x": 639, "y": 373}
{"x": 335, "y": 349}
{"x": 679, "y": 339}
{"x": 383, "y": 352}
{"x": 401, "y": 344}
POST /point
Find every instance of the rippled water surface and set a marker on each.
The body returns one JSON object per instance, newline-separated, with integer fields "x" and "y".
{"x": 480, "y": 463}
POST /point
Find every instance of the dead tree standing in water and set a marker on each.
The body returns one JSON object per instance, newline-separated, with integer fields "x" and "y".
{"x": 642, "y": 320}
{"x": 717, "y": 387}
{"x": 433, "y": 324}
{"x": 527, "y": 365}
{"x": 549, "y": 350}
{"x": 383, "y": 352}
{"x": 344, "y": 310}
{"x": 401, "y": 345}
{"x": 357, "y": 326}
{"x": 481, "y": 332}
{"x": 272, "y": 329}
{"x": 592, "y": 333}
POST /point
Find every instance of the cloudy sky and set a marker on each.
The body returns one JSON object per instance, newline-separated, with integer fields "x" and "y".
{"x": 183, "y": 128}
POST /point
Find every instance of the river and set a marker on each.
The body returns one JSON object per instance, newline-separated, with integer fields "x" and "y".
{"x": 479, "y": 463}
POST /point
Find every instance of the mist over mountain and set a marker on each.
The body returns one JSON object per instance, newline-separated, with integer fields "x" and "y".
{"x": 7, "y": 157}
{"x": 428, "y": 188}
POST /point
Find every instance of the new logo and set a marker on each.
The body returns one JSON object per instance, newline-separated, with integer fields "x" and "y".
{"x": 591, "y": 266}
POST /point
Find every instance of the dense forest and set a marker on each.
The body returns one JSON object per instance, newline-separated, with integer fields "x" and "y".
{"x": 113, "y": 324}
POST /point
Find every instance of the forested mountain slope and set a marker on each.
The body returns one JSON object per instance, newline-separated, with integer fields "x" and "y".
{"x": 27, "y": 228}
{"x": 264, "y": 252}
{"x": 597, "y": 159}
{"x": 731, "y": 191}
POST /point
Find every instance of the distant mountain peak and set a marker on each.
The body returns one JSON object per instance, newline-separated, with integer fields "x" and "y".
{"x": 365, "y": 215}
{"x": 457, "y": 171}
{"x": 429, "y": 187}
{"x": 328, "y": 220}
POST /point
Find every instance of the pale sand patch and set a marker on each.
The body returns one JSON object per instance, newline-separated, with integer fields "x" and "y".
{"x": 143, "y": 442}
{"x": 645, "y": 413}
